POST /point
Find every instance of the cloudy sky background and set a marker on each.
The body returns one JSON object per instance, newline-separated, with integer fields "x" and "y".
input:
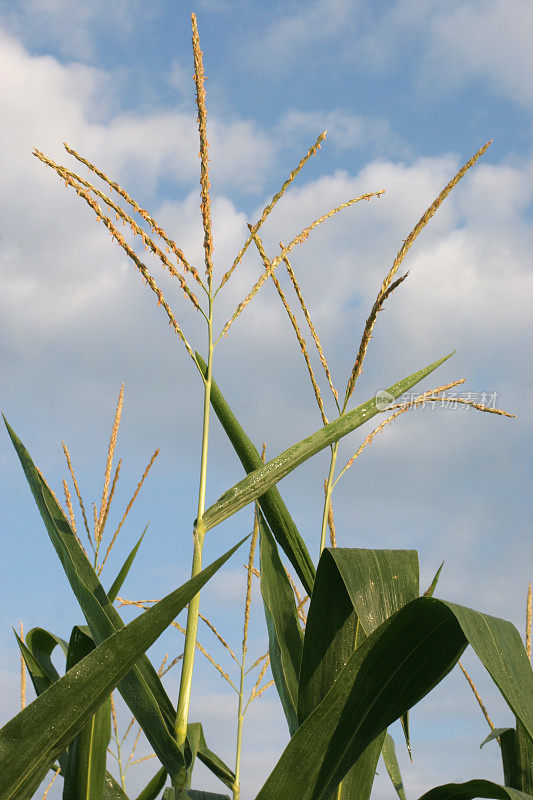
{"x": 408, "y": 92}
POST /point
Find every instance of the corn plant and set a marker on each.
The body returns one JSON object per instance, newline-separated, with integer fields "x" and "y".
{"x": 352, "y": 653}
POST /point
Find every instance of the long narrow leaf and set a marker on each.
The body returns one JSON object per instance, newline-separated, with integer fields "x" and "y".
{"x": 261, "y": 479}
{"x": 433, "y": 585}
{"x": 41, "y": 681}
{"x": 38, "y": 734}
{"x": 211, "y": 760}
{"x": 123, "y": 572}
{"x": 517, "y": 758}
{"x": 42, "y": 644}
{"x": 40, "y": 676}
{"x": 152, "y": 790}
{"x": 472, "y": 789}
{"x": 112, "y": 789}
{"x": 85, "y": 770}
{"x": 358, "y": 782}
{"x": 388, "y": 751}
{"x": 274, "y": 509}
{"x": 356, "y": 590}
{"x": 141, "y": 689}
{"x": 394, "y": 668}
{"x": 284, "y": 632}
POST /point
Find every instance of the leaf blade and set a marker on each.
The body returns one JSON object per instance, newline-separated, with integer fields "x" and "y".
{"x": 85, "y": 769}
{"x": 274, "y": 509}
{"x": 263, "y": 478}
{"x": 355, "y": 591}
{"x": 388, "y": 751}
{"x": 25, "y": 759}
{"x": 123, "y": 572}
{"x": 397, "y": 665}
{"x": 284, "y": 631}
{"x": 475, "y": 788}
{"x": 141, "y": 688}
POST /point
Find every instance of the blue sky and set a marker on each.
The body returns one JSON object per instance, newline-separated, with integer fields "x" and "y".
{"x": 408, "y": 92}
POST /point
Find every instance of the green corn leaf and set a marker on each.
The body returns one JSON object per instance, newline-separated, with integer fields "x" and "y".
{"x": 433, "y": 585}
{"x": 40, "y": 676}
{"x": 33, "y": 739}
{"x": 41, "y": 681}
{"x": 208, "y": 758}
{"x": 495, "y": 734}
{"x": 191, "y": 748}
{"x": 472, "y": 789}
{"x": 112, "y": 789}
{"x": 285, "y": 635}
{"x": 121, "y": 577}
{"x": 499, "y": 647}
{"x": 405, "y": 729}
{"x": 274, "y": 509}
{"x": 358, "y": 782}
{"x": 388, "y": 751}
{"x": 195, "y": 742}
{"x": 193, "y": 794}
{"x": 141, "y": 689}
{"x": 517, "y": 758}
{"x": 260, "y": 480}
{"x": 356, "y": 590}
{"x": 42, "y": 643}
{"x": 405, "y": 719}
{"x": 394, "y": 668}
{"x": 85, "y": 769}
{"x": 152, "y": 790}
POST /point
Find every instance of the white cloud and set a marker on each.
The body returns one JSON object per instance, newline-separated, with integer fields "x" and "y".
{"x": 279, "y": 43}
{"x": 71, "y": 27}
{"x": 487, "y": 40}
{"x": 455, "y": 45}
{"x": 345, "y": 131}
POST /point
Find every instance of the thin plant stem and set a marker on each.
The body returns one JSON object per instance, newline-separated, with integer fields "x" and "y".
{"x": 247, "y": 603}
{"x": 57, "y": 770}
{"x": 327, "y": 497}
{"x": 478, "y": 698}
{"x": 80, "y": 501}
{"x": 193, "y": 610}
{"x": 22, "y": 673}
{"x": 182, "y": 714}
{"x": 331, "y": 522}
{"x": 117, "y": 742}
{"x": 528, "y": 622}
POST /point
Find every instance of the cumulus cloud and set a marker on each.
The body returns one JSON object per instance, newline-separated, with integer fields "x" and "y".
{"x": 456, "y": 45}
{"x": 346, "y": 131}
{"x": 283, "y": 38}
{"x": 71, "y": 27}
{"x": 485, "y": 40}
